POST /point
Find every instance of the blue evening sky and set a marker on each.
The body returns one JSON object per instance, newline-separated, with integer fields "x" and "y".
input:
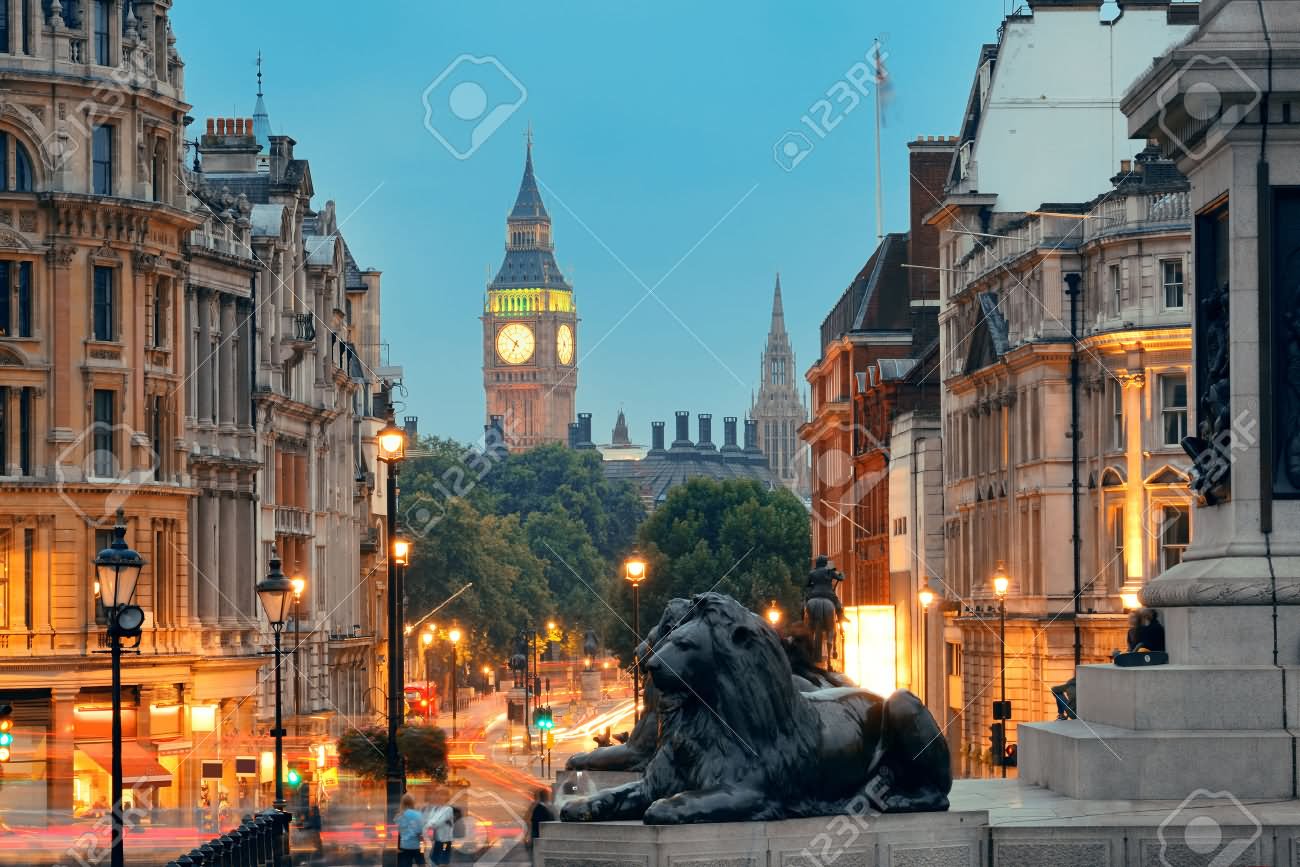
{"x": 655, "y": 126}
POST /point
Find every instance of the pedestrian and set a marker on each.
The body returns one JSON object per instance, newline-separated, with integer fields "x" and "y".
{"x": 1151, "y": 633}
{"x": 1066, "y": 702}
{"x": 540, "y": 812}
{"x": 410, "y": 828}
{"x": 440, "y": 826}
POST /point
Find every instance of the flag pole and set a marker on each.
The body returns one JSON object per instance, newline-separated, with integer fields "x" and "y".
{"x": 880, "y": 193}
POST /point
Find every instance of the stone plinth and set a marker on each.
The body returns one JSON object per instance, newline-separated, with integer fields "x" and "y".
{"x": 590, "y": 686}
{"x": 952, "y": 839}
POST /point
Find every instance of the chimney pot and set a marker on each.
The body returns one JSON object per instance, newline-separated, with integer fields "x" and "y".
{"x": 212, "y": 126}
{"x": 657, "y": 436}
{"x": 221, "y": 126}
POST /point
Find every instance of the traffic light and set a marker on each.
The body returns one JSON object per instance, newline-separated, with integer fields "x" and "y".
{"x": 6, "y": 732}
{"x": 293, "y": 778}
{"x": 543, "y": 719}
{"x": 997, "y": 743}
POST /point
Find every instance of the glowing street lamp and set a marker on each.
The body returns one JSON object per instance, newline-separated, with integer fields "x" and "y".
{"x": 390, "y": 446}
{"x": 1001, "y": 583}
{"x": 634, "y": 571}
{"x": 274, "y": 592}
{"x": 401, "y": 552}
{"x": 773, "y": 614}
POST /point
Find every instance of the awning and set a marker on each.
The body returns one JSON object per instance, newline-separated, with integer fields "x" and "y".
{"x": 139, "y": 765}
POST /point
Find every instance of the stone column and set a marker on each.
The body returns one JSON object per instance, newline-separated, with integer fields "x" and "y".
{"x": 203, "y": 360}
{"x": 59, "y": 747}
{"x": 245, "y": 594}
{"x": 230, "y": 572}
{"x": 61, "y": 323}
{"x": 226, "y": 360}
{"x": 1135, "y": 528}
{"x": 205, "y": 541}
{"x": 243, "y": 364}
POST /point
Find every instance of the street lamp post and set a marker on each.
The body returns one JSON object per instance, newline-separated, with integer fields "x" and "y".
{"x": 634, "y": 570}
{"x": 1001, "y": 582}
{"x": 773, "y": 614}
{"x": 391, "y": 449}
{"x": 427, "y": 639}
{"x": 274, "y": 593}
{"x": 299, "y": 585}
{"x": 117, "y": 569}
{"x": 926, "y": 598}
{"x": 453, "y": 635}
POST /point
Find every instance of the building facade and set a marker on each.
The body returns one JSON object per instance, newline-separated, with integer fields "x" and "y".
{"x": 778, "y": 409}
{"x": 149, "y": 362}
{"x": 1010, "y": 400}
{"x": 530, "y": 329}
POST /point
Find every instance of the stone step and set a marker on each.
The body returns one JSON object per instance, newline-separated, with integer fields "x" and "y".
{"x": 1184, "y": 697}
{"x": 1087, "y": 760}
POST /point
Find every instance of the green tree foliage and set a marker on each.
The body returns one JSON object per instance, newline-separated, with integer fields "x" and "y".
{"x": 540, "y": 534}
{"x": 732, "y": 536}
{"x": 362, "y": 751}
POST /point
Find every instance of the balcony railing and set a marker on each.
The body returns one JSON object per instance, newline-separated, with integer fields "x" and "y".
{"x": 1142, "y": 211}
{"x": 293, "y": 521}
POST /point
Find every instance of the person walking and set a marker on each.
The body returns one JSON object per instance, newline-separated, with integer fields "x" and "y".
{"x": 440, "y": 826}
{"x": 410, "y": 828}
{"x": 540, "y": 812}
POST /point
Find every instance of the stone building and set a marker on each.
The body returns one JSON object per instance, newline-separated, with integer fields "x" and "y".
{"x": 530, "y": 329}
{"x": 151, "y": 360}
{"x": 778, "y": 409}
{"x": 1009, "y": 396}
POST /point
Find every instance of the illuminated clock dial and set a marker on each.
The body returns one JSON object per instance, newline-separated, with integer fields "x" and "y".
{"x": 515, "y": 343}
{"x": 564, "y": 345}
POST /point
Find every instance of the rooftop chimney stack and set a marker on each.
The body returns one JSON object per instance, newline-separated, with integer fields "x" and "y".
{"x": 706, "y": 432}
{"x": 229, "y": 146}
{"x": 575, "y": 433}
{"x": 657, "y": 437}
{"x": 584, "y": 431}
{"x": 683, "y": 439}
{"x": 729, "y": 448}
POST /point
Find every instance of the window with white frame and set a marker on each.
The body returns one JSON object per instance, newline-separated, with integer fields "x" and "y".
{"x": 1116, "y": 290}
{"x": 1175, "y": 535}
{"x": 1171, "y": 277}
{"x": 1173, "y": 407}
{"x": 1116, "y": 414}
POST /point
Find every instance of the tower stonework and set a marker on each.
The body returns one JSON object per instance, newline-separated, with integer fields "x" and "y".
{"x": 530, "y": 329}
{"x": 778, "y": 410}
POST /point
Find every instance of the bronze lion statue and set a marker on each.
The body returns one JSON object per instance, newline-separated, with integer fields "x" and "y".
{"x": 739, "y": 741}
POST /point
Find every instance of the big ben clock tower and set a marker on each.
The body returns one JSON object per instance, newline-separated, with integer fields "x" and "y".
{"x": 530, "y": 329}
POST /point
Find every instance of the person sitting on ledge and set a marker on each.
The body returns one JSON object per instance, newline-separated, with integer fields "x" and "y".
{"x": 1066, "y": 700}
{"x": 1151, "y": 633}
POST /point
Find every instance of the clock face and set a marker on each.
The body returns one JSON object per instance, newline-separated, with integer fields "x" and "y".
{"x": 515, "y": 343}
{"x": 564, "y": 345}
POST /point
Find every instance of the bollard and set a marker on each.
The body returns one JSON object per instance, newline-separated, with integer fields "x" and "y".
{"x": 236, "y": 847}
{"x": 265, "y": 857}
{"x": 209, "y": 853}
{"x": 228, "y": 856}
{"x": 196, "y": 856}
{"x": 183, "y": 861}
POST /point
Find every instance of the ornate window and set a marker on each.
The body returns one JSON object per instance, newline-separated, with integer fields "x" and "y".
{"x": 1116, "y": 413}
{"x": 1116, "y": 290}
{"x": 16, "y": 174}
{"x": 105, "y": 319}
{"x": 15, "y": 299}
{"x": 1173, "y": 407}
{"x": 102, "y": 158}
{"x": 1175, "y": 535}
{"x": 103, "y": 443}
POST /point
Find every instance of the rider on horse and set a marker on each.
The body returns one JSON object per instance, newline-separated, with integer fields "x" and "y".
{"x": 821, "y": 585}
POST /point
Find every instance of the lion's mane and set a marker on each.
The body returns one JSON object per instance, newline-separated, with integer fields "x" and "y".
{"x": 737, "y": 732}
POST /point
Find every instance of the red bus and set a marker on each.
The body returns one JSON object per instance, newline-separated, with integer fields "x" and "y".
{"x": 419, "y": 704}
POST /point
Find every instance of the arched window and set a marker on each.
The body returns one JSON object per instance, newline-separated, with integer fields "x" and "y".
{"x": 16, "y": 175}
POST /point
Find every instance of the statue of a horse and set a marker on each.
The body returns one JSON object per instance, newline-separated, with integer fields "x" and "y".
{"x": 820, "y": 615}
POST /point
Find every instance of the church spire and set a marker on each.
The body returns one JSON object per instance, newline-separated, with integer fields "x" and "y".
{"x": 261, "y": 119}
{"x": 778, "y": 312}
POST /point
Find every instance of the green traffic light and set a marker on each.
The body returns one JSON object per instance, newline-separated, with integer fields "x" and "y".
{"x": 6, "y": 739}
{"x": 294, "y": 777}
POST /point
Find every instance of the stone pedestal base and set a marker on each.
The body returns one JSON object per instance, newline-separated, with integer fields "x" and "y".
{"x": 1167, "y": 731}
{"x": 952, "y": 839}
{"x": 591, "y": 686}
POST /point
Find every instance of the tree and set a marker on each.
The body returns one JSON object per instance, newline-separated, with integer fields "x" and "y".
{"x": 734, "y": 536}
{"x": 363, "y": 751}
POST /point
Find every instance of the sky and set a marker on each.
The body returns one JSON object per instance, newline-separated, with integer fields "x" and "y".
{"x": 659, "y": 132}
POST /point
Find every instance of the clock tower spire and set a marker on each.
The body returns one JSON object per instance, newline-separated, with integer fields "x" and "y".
{"x": 530, "y": 328}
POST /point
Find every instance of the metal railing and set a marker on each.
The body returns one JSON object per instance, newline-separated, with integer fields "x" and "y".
{"x": 261, "y": 841}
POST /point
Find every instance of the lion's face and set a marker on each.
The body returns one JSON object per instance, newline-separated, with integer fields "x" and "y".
{"x": 684, "y": 660}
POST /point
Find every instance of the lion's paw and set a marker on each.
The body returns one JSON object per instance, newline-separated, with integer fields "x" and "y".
{"x": 577, "y": 810}
{"x": 663, "y": 812}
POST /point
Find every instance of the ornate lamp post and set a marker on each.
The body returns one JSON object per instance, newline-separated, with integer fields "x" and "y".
{"x": 299, "y": 585}
{"x": 391, "y": 449}
{"x": 1001, "y": 583}
{"x": 773, "y": 614}
{"x": 117, "y": 571}
{"x": 427, "y": 639}
{"x": 453, "y": 635}
{"x": 926, "y": 598}
{"x": 275, "y": 592}
{"x": 634, "y": 571}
